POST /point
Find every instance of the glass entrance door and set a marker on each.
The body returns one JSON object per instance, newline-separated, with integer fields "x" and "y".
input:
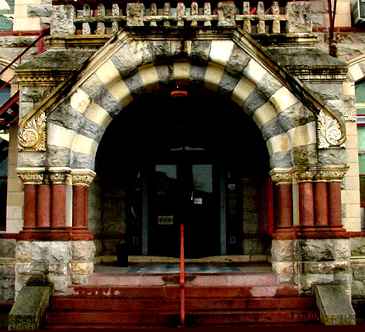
{"x": 184, "y": 193}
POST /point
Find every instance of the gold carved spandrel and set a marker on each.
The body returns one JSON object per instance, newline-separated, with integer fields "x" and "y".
{"x": 32, "y": 134}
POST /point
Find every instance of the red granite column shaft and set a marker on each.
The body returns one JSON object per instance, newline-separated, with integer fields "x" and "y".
{"x": 320, "y": 203}
{"x": 334, "y": 204}
{"x": 58, "y": 205}
{"x": 79, "y": 209}
{"x": 285, "y": 205}
{"x": 306, "y": 204}
{"x": 30, "y": 204}
{"x": 43, "y": 206}
{"x": 86, "y": 206}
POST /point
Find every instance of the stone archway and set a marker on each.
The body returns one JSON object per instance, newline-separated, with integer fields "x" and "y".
{"x": 59, "y": 139}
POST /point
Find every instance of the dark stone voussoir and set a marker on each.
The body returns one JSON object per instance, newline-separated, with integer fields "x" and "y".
{"x": 200, "y": 50}
{"x": 227, "y": 84}
{"x": 281, "y": 160}
{"x": 135, "y": 84}
{"x": 255, "y": 100}
{"x": 237, "y": 61}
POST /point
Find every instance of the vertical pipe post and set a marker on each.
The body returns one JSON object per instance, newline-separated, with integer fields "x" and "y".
{"x": 182, "y": 277}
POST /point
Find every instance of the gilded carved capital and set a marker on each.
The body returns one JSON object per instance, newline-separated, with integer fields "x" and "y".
{"x": 331, "y": 173}
{"x": 32, "y": 134}
{"x": 31, "y": 175}
{"x": 58, "y": 175}
{"x": 305, "y": 175}
{"x": 281, "y": 175}
{"x": 82, "y": 177}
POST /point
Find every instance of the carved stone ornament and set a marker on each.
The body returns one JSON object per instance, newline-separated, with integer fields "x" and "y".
{"x": 83, "y": 178}
{"x": 329, "y": 132}
{"x": 335, "y": 173}
{"x": 281, "y": 176}
{"x": 32, "y": 134}
{"x": 31, "y": 176}
{"x": 58, "y": 177}
{"x": 305, "y": 175}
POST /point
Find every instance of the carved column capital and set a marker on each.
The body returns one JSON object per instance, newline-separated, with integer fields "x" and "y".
{"x": 281, "y": 175}
{"x": 58, "y": 175}
{"x": 305, "y": 174}
{"x": 332, "y": 173}
{"x": 31, "y": 175}
{"x": 82, "y": 177}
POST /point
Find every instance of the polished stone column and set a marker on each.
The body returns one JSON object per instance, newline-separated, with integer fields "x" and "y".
{"x": 285, "y": 205}
{"x": 334, "y": 202}
{"x": 306, "y": 206}
{"x": 58, "y": 198}
{"x": 32, "y": 177}
{"x": 44, "y": 206}
{"x": 321, "y": 203}
{"x": 81, "y": 180}
{"x": 30, "y": 203}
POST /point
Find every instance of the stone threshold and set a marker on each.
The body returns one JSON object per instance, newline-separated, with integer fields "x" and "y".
{"x": 225, "y": 259}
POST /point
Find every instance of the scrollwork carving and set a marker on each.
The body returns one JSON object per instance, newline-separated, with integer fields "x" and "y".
{"x": 329, "y": 131}
{"x": 32, "y": 134}
{"x": 281, "y": 176}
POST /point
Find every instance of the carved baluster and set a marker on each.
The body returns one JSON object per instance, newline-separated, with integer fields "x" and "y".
{"x": 207, "y": 12}
{"x": 261, "y": 16}
{"x": 100, "y": 26}
{"x": 180, "y": 13}
{"x": 153, "y": 12}
{"x": 246, "y": 21}
{"x": 86, "y": 26}
{"x": 193, "y": 12}
{"x": 276, "y": 22}
{"x": 70, "y": 11}
{"x": 115, "y": 12}
{"x": 166, "y": 12}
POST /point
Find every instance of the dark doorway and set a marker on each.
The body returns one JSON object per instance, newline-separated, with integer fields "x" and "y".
{"x": 199, "y": 160}
{"x": 185, "y": 193}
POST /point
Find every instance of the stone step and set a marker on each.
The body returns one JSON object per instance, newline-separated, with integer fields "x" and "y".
{"x": 70, "y": 303}
{"x": 158, "y": 318}
{"x": 192, "y": 279}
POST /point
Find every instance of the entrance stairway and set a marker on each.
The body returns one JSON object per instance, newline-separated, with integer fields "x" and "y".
{"x": 152, "y": 300}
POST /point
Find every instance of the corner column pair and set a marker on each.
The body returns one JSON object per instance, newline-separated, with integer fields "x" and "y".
{"x": 49, "y": 209}
{"x": 319, "y": 201}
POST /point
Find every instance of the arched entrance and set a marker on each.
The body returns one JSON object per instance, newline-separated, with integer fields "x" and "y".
{"x": 196, "y": 160}
{"x": 58, "y": 141}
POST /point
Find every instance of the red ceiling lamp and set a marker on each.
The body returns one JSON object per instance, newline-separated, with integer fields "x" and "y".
{"x": 178, "y": 92}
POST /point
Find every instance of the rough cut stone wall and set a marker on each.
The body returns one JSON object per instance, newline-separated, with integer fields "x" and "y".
{"x": 7, "y": 272}
{"x": 64, "y": 262}
{"x": 306, "y": 262}
{"x": 358, "y": 266}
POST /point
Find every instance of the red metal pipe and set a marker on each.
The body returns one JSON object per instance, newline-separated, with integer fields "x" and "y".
{"x": 182, "y": 277}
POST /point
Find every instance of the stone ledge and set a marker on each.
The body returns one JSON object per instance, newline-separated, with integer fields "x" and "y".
{"x": 30, "y": 306}
{"x": 334, "y": 305}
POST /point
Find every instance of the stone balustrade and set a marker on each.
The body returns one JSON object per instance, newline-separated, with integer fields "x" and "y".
{"x": 108, "y": 17}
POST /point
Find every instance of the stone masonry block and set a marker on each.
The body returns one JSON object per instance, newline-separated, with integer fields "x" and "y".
{"x": 334, "y": 305}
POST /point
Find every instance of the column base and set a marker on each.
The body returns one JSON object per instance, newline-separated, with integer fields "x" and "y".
{"x": 45, "y": 234}
{"x": 81, "y": 234}
{"x": 55, "y": 234}
{"x": 322, "y": 232}
{"x": 285, "y": 233}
